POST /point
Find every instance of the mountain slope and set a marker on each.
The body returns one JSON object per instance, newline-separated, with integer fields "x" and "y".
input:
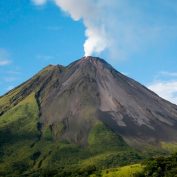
{"x": 73, "y": 99}
{"x": 85, "y": 116}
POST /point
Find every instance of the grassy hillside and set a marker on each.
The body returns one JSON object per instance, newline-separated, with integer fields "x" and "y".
{"x": 28, "y": 150}
{"x": 17, "y": 133}
{"x": 126, "y": 171}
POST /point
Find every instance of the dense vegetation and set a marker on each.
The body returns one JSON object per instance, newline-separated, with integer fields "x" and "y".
{"x": 161, "y": 167}
{"x": 25, "y": 150}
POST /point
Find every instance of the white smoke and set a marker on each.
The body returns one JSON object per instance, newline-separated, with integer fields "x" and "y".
{"x": 93, "y": 14}
{"x": 118, "y": 27}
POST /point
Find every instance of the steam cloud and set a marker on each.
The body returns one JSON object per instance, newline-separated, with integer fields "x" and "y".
{"x": 117, "y": 26}
{"x": 93, "y": 15}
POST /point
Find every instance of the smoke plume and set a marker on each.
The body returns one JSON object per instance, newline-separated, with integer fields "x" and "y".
{"x": 119, "y": 27}
{"x": 93, "y": 15}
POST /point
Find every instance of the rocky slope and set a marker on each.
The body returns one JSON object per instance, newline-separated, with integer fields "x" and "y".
{"x": 73, "y": 99}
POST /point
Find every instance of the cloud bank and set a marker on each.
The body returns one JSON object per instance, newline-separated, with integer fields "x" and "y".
{"x": 167, "y": 90}
{"x": 120, "y": 27}
{"x": 4, "y": 58}
{"x": 166, "y": 86}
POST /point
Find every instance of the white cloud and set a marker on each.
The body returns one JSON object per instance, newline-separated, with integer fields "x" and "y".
{"x": 13, "y": 72}
{"x": 167, "y": 90}
{"x": 119, "y": 27}
{"x": 165, "y": 85}
{"x": 39, "y": 2}
{"x": 4, "y": 57}
{"x": 92, "y": 14}
{"x": 171, "y": 74}
{"x": 4, "y": 62}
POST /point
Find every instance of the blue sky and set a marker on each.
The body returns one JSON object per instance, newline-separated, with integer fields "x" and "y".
{"x": 137, "y": 38}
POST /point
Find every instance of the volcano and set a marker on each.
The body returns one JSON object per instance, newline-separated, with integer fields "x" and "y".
{"x": 87, "y": 104}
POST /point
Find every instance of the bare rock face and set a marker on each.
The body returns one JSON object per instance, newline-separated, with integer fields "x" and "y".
{"x": 73, "y": 99}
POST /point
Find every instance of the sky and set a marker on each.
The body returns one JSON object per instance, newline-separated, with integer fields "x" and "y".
{"x": 138, "y": 38}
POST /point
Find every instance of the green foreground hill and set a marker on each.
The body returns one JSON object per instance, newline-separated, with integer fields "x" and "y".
{"x": 24, "y": 152}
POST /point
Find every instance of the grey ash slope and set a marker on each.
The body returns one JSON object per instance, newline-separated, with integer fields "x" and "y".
{"x": 90, "y": 89}
{"x": 73, "y": 99}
